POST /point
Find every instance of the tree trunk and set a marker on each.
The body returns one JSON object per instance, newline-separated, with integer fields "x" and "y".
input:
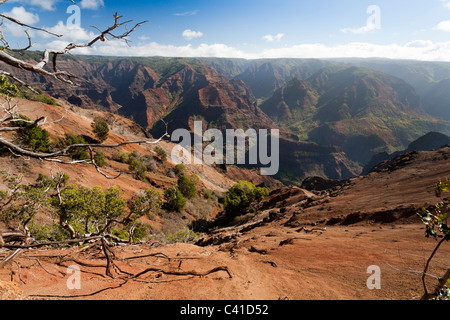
{"x": 68, "y": 227}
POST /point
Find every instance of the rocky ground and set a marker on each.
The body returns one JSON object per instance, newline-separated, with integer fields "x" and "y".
{"x": 267, "y": 263}
{"x": 301, "y": 246}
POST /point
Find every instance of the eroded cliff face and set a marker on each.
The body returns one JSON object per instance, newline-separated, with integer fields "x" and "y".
{"x": 181, "y": 93}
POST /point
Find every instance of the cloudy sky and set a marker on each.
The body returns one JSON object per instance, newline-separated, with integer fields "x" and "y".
{"x": 406, "y": 29}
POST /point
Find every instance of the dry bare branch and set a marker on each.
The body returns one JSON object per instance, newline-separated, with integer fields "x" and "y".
{"x": 68, "y": 150}
{"x": 183, "y": 273}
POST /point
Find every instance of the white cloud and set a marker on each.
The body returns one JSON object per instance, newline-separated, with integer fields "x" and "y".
{"x": 92, "y": 4}
{"x": 275, "y": 38}
{"x": 189, "y": 34}
{"x": 415, "y": 50}
{"x": 144, "y": 38}
{"x": 420, "y": 44}
{"x": 424, "y": 50}
{"x": 188, "y": 13}
{"x": 443, "y": 26}
{"x": 446, "y": 3}
{"x": 21, "y": 14}
{"x": 69, "y": 34}
{"x": 120, "y": 48}
{"x": 361, "y": 30}
{"x": 48, "y": 5}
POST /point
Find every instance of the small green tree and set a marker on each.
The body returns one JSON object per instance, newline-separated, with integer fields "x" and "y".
{"x": 436, "y": 222}
{"x": 35, "y": 137}
{"x": 240, "y": 196}
{"x": 179, "y": 169}
{"x": 138, "y": 168}
{"x": 137, "y": 231}
{"x": 85, "y": 211}
{"x": 8, "y": 88}
{"x": 100, "y": 128}
{"x": 79, "y": 153}
{"x": 186, "y": 186}
{"x": 99, "y": 159}
{"x": 195, "y": 178}
{"x": 175, "y": 200}
{"x": 161, "y": 153}
{"x": 20, "y": 203}
{"x": 122, "y": 156}
{"x": 146, "y": 202}
{"x": 183, "y": 236}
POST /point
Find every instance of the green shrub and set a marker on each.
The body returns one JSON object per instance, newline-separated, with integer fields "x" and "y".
{"x": 161, "y": 153}
{"x": 41, "y": 98}
{"x": 88, "y": 210}
{"x": 44, "y": 181}
{"x": 186, "y": 186}
{"x": 138, "y": 168}
{"x": 175, "y": 200}
{"x": 137, "y": 164}
{"x": 146, "y": 202}
{"x": 120, "y": 233}
{"x": 195, "y": 178}
{"x": 48, "y": 233}
{"x": 35, "y": 137}
{"x": 99, "y": 159}
{"x": 122, "y": 157}
{"x": 179, "y": 169}
{"x": 184, "y": 235}
{"x": 80, "y": 153}
{"x": 101, "y": 129}
{"x": 240, "y": 196}
{"x": 8, "y": 88}
{"x": 138, "y": 231}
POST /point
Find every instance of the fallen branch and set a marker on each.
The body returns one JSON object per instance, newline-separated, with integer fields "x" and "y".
{"x": 148, "y": 255}
{"x": 10, "y": 258}
{"x": 183, "y": 273}
{"x": 79, "y": 295}
{"x": 40, "y": 264}
{"x": 67, "y": 151}
{"x": 52, "y": 243}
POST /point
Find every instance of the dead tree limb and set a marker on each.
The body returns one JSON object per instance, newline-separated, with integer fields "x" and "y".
{"x": 52, "y": 243}
{"x": 68, "y": 151}
{"x": 10, "y": 257}
{"x": 183, "y": 273}
{"x": 80, "y": 295}
{"x": 53, "y": 54}
{"x": 40, "y": 264}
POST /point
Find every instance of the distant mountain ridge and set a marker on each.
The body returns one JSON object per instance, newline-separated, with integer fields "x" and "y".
{"x": 358, "y": 109}
{"x": 334, "y": 115}
{"x": 181, "y": 91}
{"x": 427, "y": 142}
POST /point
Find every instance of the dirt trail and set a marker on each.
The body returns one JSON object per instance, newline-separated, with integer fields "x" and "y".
{"x": 324, "y": 265}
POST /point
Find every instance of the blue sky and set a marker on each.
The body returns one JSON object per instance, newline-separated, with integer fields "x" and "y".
{"x": 248, "y": 28}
